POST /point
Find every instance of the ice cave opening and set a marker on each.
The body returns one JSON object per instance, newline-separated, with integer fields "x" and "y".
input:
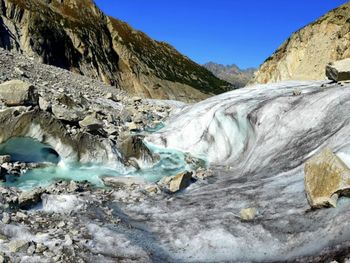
{"x": 29, "y": 150}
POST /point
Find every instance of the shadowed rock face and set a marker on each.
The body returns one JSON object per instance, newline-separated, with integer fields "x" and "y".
{"x": 77, "y": 36}
{"x": 306, "y": 53}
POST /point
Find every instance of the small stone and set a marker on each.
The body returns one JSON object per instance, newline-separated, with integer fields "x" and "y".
{"x": 21, "y": 216}
{"x": 48, "y": 254}
{"x": 3, "y": 237}
{"x": 68, "y": 240}
{"x": 133, "y": 126}
{"x": 6, "y": 218}
{"x": 202, "y": 173}
{"x": 73, "y": 187}
{"x": 61, "y": 224}
{"x": 136, "y": 99}
{"x": 248, "y": 214}
{"x": 40, "y": 248}
{"x": 111, "y": 96}
{"x": 31, "y": 249}
{"x": 44, "y": 104}
{"x": 19, "y": 71}
{"x": 18, "y": 245}
{"x": 122, "y": 182}
{"x": 5, "y": 159}
{"x": 296, "y": 92}
{"x": 152, "y": 189}
{"x": 74, "y": 232}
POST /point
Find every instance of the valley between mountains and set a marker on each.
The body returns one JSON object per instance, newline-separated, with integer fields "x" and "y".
{"x": 115, "y": 147}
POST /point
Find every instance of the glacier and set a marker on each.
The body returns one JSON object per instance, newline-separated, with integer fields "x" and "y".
{"x": 256, "y": 141}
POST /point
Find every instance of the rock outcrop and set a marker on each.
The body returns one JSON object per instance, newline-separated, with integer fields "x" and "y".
{"x": 326, "y": 178}
{"x": 306, "y": 53}
{"x": 76, "y": 35}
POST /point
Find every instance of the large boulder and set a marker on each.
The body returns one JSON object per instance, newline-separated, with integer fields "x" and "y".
{"x": 91, "y": 123}
{"x": 339, "y": 70}
{"x": 18, "y": 93}
{"x": 134, "y": 147}
{"x": 326, "y": 177}
{"x": 28, "y": 199}
{"x": 63, "y": 113}
{"x": 176, "y": 183}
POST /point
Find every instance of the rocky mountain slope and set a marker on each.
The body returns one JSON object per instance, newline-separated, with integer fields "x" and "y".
{"x": 76, "y": 35}
{"x": 231, "y": 73}
{"x": 306, "y": 53}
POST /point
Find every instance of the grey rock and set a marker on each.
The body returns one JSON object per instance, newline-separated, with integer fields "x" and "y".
{"x": 176, "y": 183}
{"x": 122, "y": 182}
{"x": 18, "y": 93}
{"x": 31, "y": 249}
{"x": 202, "y": 173}
{"x": 44, "y": 104}
{"x": 71, "y": 115}
{"x": 28, "y": 199}
{"x": 5, "y": 159}
{"x": 40, "y": 248}
{"x": 339, "y": 70}
{"x": 18, "y": 245}
{"x": 91, "y": 123}
{"x": 6, "y": 218}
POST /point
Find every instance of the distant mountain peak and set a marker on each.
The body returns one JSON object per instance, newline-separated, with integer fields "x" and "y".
{"x": 231, "y": 73}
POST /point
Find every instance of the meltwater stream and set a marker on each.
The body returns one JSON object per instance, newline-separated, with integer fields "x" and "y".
{"x": 28, "y": 150}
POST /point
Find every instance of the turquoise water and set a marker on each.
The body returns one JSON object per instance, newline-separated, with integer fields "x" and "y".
{"x": 171, "y": 162}
{"x": 155, "y": 128}
{"x": 28, "y": 150}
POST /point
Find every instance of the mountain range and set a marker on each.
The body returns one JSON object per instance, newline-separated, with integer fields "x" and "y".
{"x": 231, "y": 73}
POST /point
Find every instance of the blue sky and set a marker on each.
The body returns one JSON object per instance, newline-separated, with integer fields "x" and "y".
{"x": 244, "y": 32}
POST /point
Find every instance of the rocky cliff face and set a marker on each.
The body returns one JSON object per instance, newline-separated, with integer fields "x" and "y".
{"x": 306, "y": 53}
{"x": 76, "y": 35}
{"x": 231, "y": 73}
